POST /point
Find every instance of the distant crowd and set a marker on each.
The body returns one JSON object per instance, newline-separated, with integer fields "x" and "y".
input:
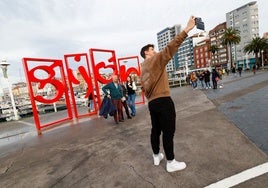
{"x": 204, "y": 79}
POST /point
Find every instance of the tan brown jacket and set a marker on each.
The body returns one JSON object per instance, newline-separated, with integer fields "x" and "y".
{"x": 154, "y": 79}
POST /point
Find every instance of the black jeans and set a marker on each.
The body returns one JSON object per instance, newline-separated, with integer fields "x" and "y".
{"x": 163, "y": 119}
{"x": 126, "y": 109}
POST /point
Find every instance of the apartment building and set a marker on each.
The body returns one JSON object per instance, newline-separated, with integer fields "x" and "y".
{"x": 246, "y": 20}
{"x": 185, "y": 54}
{"x": 163, "y": 38}
{"x": 202, "y": 54}
{"x": 220, "y": 56}
{"x": 265, "y": 52}
{"x": 186, "y": 51}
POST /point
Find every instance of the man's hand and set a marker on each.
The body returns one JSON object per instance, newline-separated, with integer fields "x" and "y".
{"x": 190, "y": 24}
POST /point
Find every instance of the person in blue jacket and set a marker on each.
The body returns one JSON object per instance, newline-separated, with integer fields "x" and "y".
{"x": 113, "y": 90}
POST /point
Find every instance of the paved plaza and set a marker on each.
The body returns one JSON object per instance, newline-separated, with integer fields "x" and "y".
{"x": 220, "y": 134}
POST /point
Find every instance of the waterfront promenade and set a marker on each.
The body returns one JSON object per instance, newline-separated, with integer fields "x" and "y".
{"x": 220, "y": 133}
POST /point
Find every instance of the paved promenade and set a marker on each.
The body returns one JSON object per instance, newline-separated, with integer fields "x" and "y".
{"x": 95, "y": 152}
{"x": 244, "y": 100}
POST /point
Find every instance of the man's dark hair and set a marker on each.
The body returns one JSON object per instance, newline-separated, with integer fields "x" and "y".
{"x": 145, "y": 48}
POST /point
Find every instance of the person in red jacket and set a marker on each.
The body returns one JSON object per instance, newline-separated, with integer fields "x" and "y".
{"x": 155, "y": 85}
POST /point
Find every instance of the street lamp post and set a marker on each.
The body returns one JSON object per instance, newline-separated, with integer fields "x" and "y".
{"x": 4, "y": 65}
{"x": 262, "y": 63}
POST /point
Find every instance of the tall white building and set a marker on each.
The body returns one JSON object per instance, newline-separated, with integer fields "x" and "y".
{"x": 186, "y": 50}
{"x": 163, "y": 38}
{"x": 246, "y": 20}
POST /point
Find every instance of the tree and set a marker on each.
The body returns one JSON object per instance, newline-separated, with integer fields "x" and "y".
{"x": 213, "y": 48}
{"x": 256, "y": 46}
{"x": 231, "y": 36}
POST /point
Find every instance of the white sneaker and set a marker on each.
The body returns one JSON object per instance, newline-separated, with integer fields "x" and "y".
{"x": 175, "y": 166}
{"x": 158, "y": 158}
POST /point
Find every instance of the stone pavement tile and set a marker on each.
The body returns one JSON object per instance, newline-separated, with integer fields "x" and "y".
{"x": 98, "y": 153}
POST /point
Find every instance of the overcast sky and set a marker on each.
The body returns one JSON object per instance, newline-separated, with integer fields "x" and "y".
{"x": 52, "y": 28}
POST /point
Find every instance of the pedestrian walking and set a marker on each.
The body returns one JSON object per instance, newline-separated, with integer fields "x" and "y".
{"x": 240, "y": 71}
{"x": 207, "y": 78}
{"x": 193, "y": 79}
{"x": 220, "y": 75}
{"x": 113, "y": 90}
{"x": 227, "y": 71}
{"x": 154, "y": 80}
{"x": 124, "y": 102}
{"x": 215, "y": 78}
{"x": 233, "y": 71}
{"x": 131, "y": 92}
{"x": 201, "y": 79}
{"x": 254, "y": 69}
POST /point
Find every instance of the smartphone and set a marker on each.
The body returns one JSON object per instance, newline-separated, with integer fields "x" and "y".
{"x": 199, "y": 23}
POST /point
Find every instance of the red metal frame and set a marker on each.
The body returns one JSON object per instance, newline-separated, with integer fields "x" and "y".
{"x": 86, "y": 74}
{"x": 51, "y": 66}
{"x": 96, "y": 66}
{"x": 124, "y": 73}
{"x": 60, "y": 87}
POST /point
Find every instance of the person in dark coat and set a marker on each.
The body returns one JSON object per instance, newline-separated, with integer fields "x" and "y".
{"x": 233, "y": 71}
{"x": 207, "y": 78}
{"x": 113, "y": 90}
{"x": 107, "y": 107}
{"x": 240, "y": 70}
{"x": 254, "y": 69}
{"x": 215, "y": 78}
{"x": 124, "y": 102}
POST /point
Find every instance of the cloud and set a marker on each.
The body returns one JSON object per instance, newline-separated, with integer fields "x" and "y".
{"x": 52, "y": 28}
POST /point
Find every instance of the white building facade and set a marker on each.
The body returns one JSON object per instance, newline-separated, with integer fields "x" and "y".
{"x": 246, "y": 20}
{"x": 163, "y": 38}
